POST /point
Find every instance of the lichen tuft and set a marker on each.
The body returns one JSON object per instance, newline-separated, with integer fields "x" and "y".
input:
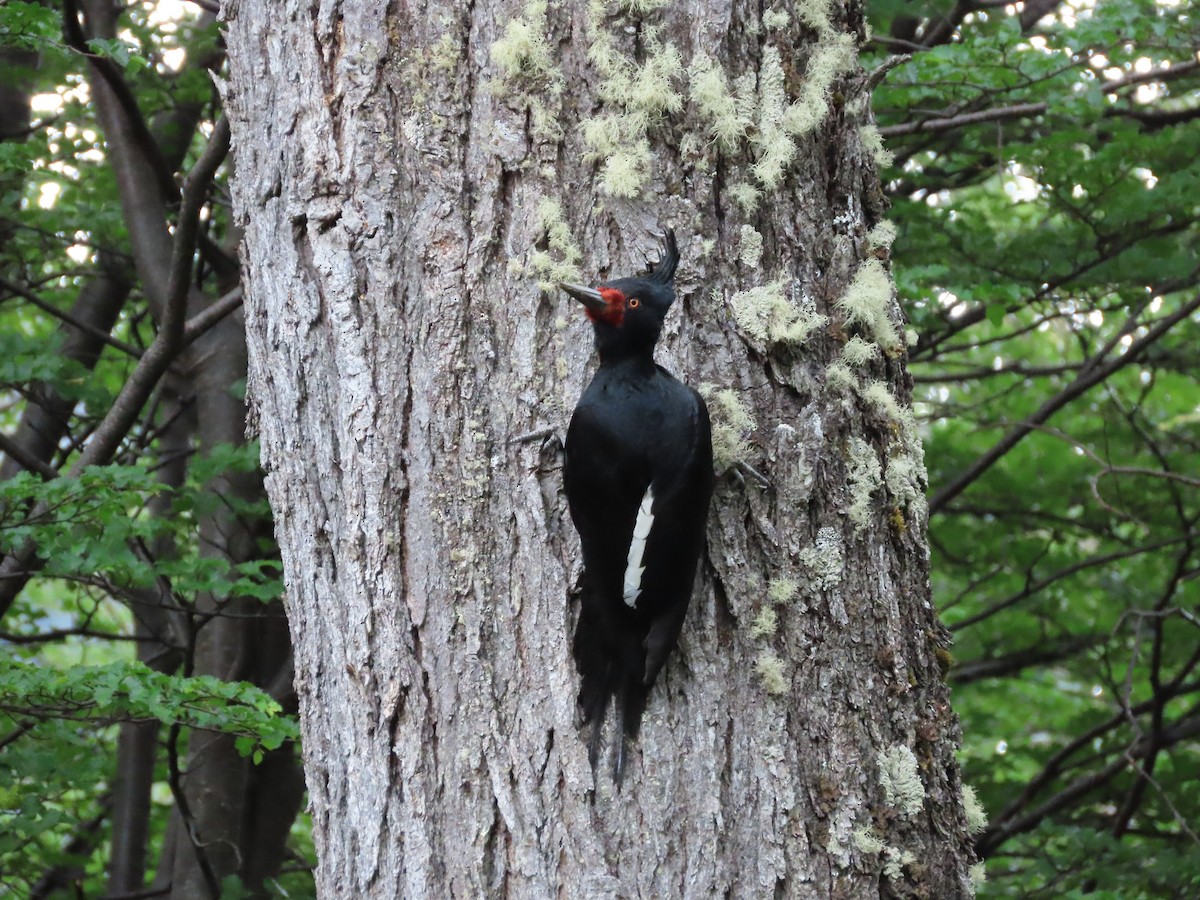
{"x": 901, "y": 780}
{"x": 839, "y": 378}
{"x": 542, "y": 263}
{"x": 727, "y": 113}
{"x": 776, "y": 19}
{"x": 866, "y": 841}
{"x": 976, "y": 816}
{"x": 765, "y": 315}
{"x": 764, "y": 624}
{"x": 782, "y": 589}
{"x": 825, "y": 559}
{"x": 744, "y": 195}
{"x": 638, "y": 96}
{"x": 750, "y": 246}
{"x": 858, "y": 352}
{"x": 771, "y": 672}
{"x": 868, "y": 301}
{"x": 873, "y": 143}
{"x": 877, "y": 395}
{"x": 865, "y": 477}
{"x": 882, "y": 235}
{"x": 978, "y": 874}
{"x": 732, "y": 425}
{"x": 523, "y": 49}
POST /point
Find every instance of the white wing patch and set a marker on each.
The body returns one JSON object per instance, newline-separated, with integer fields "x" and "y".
{"x": 637, "y": 547}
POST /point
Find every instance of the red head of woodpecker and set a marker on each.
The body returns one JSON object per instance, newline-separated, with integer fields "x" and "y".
{"x": 638, "y": 478}
{"x": 628, "y": 313}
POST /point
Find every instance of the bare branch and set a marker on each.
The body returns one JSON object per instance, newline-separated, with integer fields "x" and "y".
{"x": 1092, "y": 374}
{"x": 1081, "y": 787}
{"x": 929, "y": 126}
{"x": 25, "y": 459}
{"x": 158, "y": 357}
{"x": 198, "y": 324}
{"x": 64, "y": 316}
{"x": 166, "y": 344}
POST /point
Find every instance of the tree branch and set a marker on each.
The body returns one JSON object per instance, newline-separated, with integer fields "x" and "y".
{"x": 1080, "y": 787}
{"x": 106, "y": 439}
{"x": 933, "y": 126}
{"x": 198, "y": 324}
{"x": 1094, "y": 373}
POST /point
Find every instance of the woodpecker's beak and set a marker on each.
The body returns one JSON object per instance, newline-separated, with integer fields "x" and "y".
{"x": 589, "y": 297}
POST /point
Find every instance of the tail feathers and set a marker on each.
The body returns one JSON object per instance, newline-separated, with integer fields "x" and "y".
{"x": 604, "y": 678}
{"x": 629, "y": 701}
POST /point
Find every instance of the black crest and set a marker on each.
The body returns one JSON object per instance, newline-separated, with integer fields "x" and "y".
{"x": 664, "y": 272}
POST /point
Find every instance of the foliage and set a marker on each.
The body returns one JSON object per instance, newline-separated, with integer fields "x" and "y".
{"x": 123, "y": 580}
{"x": 131, "y": 691}
{"x": 1044, "y": 189}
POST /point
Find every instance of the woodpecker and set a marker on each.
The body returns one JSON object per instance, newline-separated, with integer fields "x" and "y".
{"x": 638, "y": 475}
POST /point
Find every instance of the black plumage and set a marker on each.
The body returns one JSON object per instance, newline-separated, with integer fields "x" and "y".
{"x": 638, "y": 478}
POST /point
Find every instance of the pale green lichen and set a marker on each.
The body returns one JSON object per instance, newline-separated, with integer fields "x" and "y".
{"x": 771, "y": 672}
{"x": 542, "y": 263}
{"x": 905, "y": 478}
{"x": 839, "y": 378}
{"x": 882, "y": 235}
{"x": 834, "y": 56}
{"x": 865, "y": 478}
{"x": 815, "y": 14}
{"x": 976, "y": 816}
{"x": 523, "y": 54}
{"x": 901, "y": 780}
{"x": 638, "y": 95}
{"x": 641, "y": 7}
{"x": 866, "y": 841}
{"x": 775, "y": 147}
{"x": 873, "y": 142}
{"x": 978, "y": 874}
{"x": 911, "y": 338}
{"x": 775, "y": 19}
{"x": 868, "y": 301}
{"x": 825, "y": 559}
{"x": 894, "y": 861}
{"x": 764, "y": 624}
{"x": 765, "y": 315}
{"x": 744, "y": 195}
{"x": 523, "y": 51}
{"x": 446, "y": 52}
{"x": 858, "y": 352}
{"x": 750, "y": 246}
{"x": 728, "y": 115}
{"x": 731, "y": 425}
{"x": 877, "y": 395}
{"x": 782, "y": 589}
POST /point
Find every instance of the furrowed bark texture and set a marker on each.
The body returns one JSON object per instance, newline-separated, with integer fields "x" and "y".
{"x": 391, "y": 181}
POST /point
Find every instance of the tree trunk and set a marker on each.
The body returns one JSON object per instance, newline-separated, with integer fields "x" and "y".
{"x": 406, "y": 176}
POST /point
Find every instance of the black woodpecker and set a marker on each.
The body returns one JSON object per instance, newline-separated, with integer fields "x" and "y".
{"x": 639, "y": 479}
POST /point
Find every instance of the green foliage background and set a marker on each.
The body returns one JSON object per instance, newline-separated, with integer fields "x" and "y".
{"x": 1035, "y": 250}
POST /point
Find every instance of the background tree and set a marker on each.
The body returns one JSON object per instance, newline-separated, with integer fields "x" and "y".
{"x": 1044, "y": 181}
{"x": 126, "y": 474}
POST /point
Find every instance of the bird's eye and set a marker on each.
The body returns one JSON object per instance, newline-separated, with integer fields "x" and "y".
{"x": 634, "y": 303}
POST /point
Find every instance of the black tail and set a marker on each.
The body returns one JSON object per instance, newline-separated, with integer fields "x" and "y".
{"x": 608, "y": 671}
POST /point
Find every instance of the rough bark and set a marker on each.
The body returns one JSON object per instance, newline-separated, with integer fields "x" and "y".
{"x": 391, "y": 180}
